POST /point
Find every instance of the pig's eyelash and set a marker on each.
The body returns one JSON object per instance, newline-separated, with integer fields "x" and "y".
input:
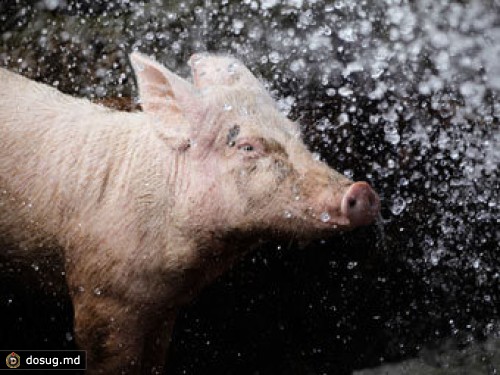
{"x": 246, "y": 147}
{"x": 252, "y": 148}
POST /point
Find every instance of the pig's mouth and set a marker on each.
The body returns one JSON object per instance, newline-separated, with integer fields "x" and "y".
{"x": 327, "y": 221}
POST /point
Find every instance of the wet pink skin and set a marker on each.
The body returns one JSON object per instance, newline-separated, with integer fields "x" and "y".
{"x": 360, "y": 204}
{"x": 150, "y": 207}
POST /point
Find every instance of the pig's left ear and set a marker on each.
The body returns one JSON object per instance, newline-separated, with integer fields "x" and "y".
{"x": 160, "y": 90}
{"x": 212, "y": 70}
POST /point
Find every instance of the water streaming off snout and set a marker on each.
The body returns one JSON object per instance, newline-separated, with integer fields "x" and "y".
{"x": 381, "y": 241}
{"x": 403, "y": 94}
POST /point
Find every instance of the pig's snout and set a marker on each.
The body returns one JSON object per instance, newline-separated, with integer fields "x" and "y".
{"x": 360, "y": 204}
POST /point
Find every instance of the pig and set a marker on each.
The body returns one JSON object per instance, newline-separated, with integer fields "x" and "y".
{"x": 145, "y": 208}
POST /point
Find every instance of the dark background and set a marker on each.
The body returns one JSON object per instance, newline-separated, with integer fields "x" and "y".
{"x": 427, "y": 276}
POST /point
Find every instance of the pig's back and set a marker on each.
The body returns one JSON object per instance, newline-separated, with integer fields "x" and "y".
{"x": 54, "y": 152}
{"x": 22, "y": 98}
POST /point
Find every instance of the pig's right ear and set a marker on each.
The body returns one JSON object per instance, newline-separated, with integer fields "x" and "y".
{"x": 212, "y": 70}
{"x": 160, "y": 90}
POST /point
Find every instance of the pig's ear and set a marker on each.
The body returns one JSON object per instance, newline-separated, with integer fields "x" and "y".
{"x": 160, "y": 90}
{"x": 213, "y": 70}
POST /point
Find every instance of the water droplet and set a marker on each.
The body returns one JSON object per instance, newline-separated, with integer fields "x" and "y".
{"x": 392, "y": 138}
{"x": 139, "y": 67}
{"x": 97, "y": 291}
{"x": 330, "y": 92}
{"x": 343, "y": 118}
{"x": 434, "y": 258}
{"x": 345, "y": 91}
{"x": 298, "y": 65}
{"x": 377, "y": 71}
{"x": 398, "y": 206}
{"x": 274, "y": 57}
{"x": 288, "y": 215}
{"x": 326, "y": 30}
{"x": 69, "y": 336}
{"x": 348, "y": 34}
{"x": 51, "y": 4}
{"x": 231, "y": 68}
{"x": 81, "y": 289}
{"x": 267, "y": 4}
{"x": 349, "y": 173}
{"x": 238, "y": 26}
{"x": 228, "y": 107}
{"x": 325, "y": 217}
{"x": 195, "y": 59}
{"x": 351, "y": 265}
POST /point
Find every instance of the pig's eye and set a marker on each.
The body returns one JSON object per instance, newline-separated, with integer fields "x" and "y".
{"x": 251, "y": 147}
{"x": 246, "y": 147}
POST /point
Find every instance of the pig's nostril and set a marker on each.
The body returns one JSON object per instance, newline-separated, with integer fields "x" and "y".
{"x": 352, "y": 202}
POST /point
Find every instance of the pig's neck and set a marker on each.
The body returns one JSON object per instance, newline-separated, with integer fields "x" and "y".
{"x": 198, "y": 259}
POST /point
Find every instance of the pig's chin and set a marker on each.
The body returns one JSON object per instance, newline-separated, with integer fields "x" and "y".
{"x": 318, "y": 227}
{"x": 325, "y": 222}
{"x": 308, "y": 225}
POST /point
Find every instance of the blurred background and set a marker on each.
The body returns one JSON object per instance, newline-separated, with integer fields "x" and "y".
{"x": 401, "y": 93}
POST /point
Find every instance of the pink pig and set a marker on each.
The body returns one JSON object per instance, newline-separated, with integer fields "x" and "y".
{"x": 146, "y": 208}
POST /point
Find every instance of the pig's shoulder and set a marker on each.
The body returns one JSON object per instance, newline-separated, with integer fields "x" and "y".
{"x": 125, "y": 104}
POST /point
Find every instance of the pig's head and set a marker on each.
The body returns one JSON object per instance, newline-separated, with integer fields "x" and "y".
{"x": 245, "y": 169}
